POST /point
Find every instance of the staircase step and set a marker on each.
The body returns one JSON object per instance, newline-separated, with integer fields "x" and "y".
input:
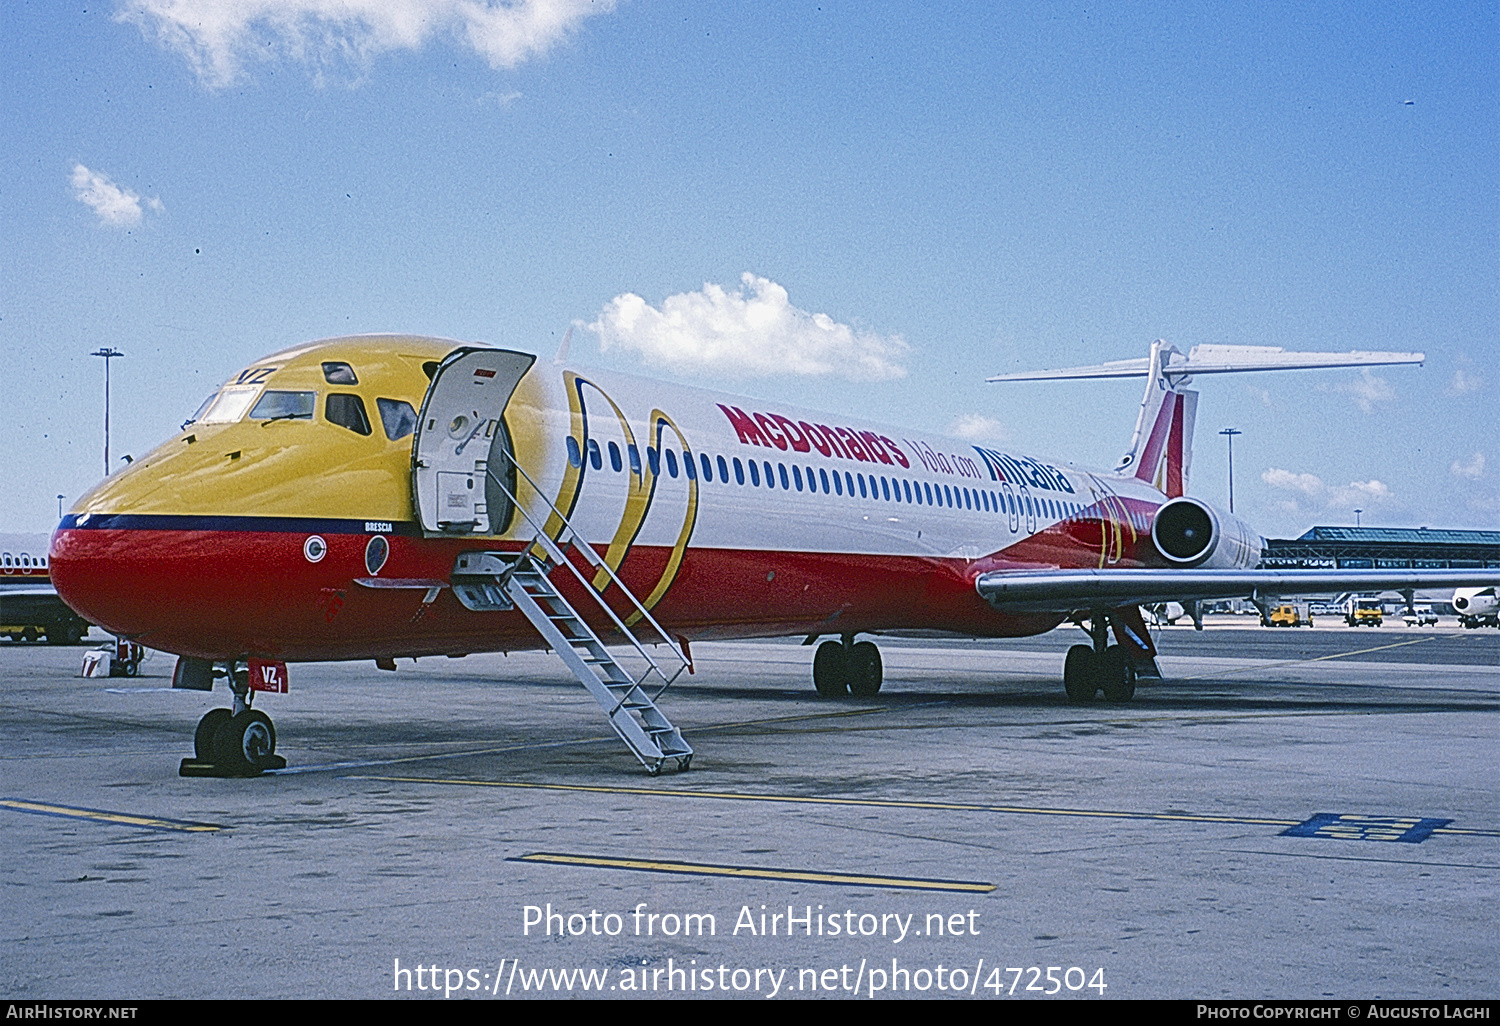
{"x": 632, "y": 712}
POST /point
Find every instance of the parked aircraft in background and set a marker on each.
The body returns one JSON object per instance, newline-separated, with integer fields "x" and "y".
{"x": 378, "y": 497}
{"x": 1477, "y": 607}
{"x": 29, "y": 607}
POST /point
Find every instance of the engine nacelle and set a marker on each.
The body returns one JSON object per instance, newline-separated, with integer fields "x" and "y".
{"x": 1191, "y": 533}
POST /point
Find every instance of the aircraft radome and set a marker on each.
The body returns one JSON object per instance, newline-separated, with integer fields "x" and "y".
{"x": 388, "y": 496}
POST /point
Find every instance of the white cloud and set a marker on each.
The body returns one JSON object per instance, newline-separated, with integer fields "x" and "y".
{"x": 215, "y": 36}
{"x": 976, "y": 427}
{"x": 501, "y": 100}
{"x": 115, "y": 206}
{"x": 1308, "y": 484}
{"x": 1264, "y": 395}
{"x": 1465, "y": 382}
{"x": 1316, "y": 493}
{"x": 1473, "y": 467}
{"x": 1367, "y": 390}
{"x": 752, "y": 332}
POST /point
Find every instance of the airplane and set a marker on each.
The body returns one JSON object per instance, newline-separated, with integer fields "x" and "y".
{"x": 390, "y": 496}
{"x": 29, "y": 607}
{"x": 1477, "y": 607}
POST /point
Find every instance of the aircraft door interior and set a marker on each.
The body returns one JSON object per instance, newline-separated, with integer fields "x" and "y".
{"x": 461, "y": 434}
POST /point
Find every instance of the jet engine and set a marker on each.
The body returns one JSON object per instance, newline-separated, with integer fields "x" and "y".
{"x": 1191, "y": 533}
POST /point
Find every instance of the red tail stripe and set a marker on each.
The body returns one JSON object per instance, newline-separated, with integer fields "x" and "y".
{"x": 1145, "y": 469}
{"x": 1174, "y": 448}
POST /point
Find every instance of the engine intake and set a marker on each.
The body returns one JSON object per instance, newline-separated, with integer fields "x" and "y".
{"x": 1190, "y": 533}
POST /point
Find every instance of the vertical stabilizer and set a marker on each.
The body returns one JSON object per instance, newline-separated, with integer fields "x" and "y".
{"x": 1161, "y": 448}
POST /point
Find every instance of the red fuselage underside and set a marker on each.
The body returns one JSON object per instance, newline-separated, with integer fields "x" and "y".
{"x": 228, "y": 594}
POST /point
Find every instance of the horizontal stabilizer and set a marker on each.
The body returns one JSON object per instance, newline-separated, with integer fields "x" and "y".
{"x": 1216, "y": 359}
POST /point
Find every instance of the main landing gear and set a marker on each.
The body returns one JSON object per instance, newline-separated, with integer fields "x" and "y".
{"x": 237, "y": 742}
{"x": 1089, "y": 670}
{"x": 846, "y": 667}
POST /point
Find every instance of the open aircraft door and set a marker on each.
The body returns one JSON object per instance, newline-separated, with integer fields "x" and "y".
{"x": 461, "y": 436}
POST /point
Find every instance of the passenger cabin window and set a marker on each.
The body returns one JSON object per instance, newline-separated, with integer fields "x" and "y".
{"x": 595, "y": 459}
{"x": 397, "y": 417}
{"x": 348, "y": 411}
{"x": 339, "y": 374}
{"x": 284, "y": 406}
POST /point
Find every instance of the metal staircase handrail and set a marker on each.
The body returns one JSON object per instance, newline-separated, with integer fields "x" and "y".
{"x": 557, "y": 553}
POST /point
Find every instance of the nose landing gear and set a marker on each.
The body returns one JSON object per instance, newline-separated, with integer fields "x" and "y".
{"x": 238, "y": 742}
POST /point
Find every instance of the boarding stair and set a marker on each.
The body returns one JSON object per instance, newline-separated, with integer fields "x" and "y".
{"x": 487, "y": 581}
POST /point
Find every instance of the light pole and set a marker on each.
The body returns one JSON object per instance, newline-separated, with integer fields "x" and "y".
{"x": 1229, "y": 433}
{"x": 108, "y": 354}
{"x": 59, "y": 506}
{"x": 1356, "y": 517}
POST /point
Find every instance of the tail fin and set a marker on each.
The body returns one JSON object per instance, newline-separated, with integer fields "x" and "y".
{"x": 1161, "y": 450}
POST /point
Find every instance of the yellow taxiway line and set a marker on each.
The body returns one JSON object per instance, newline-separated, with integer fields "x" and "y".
{"x": 1314, "y": 659}
{"x": 102, "y": 816}
{"x": 883, "y": 803}
{"x": 758, "y": 873}
{"x": 879, "y": 803}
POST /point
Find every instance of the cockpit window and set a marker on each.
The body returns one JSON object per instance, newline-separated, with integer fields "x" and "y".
{"x": 397, "y": 417}
{"x": 347, "y": 411}
{"x": 198, "y": 414}
{"x": 284, "y": 406}
{"x": 336, "y": 373}
{"x": 229, "y": 405}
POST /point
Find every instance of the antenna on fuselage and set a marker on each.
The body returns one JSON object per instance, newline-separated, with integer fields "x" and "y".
{"x": 567, "y": 344}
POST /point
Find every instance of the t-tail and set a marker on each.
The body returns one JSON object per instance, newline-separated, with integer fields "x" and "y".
{"x": 1161, "y": 448}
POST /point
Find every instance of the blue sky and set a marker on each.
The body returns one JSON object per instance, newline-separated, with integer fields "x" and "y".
{"x": 954, "y": 192}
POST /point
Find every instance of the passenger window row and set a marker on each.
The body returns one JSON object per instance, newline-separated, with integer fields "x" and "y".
{"x": 818, "y": 479}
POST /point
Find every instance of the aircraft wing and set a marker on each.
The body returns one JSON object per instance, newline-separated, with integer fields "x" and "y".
{"x": 1065, "y": 591}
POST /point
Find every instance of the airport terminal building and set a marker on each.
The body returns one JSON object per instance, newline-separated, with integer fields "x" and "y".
{"x": 1384, "y": 548}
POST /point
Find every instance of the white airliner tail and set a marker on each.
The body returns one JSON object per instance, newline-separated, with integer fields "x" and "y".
{"x": 1161, "y": 448}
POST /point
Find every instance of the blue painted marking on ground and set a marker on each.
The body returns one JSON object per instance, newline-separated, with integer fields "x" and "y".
{"x": 1345, "y": 827}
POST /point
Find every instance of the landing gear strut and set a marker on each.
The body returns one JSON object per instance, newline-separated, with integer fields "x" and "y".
{"x": 1102, "y": 667}
{"x": 845, "y": 667}
{"x": 237, "y": 742}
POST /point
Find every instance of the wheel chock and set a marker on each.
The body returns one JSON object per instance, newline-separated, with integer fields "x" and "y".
{"x": 199, "y": 768}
